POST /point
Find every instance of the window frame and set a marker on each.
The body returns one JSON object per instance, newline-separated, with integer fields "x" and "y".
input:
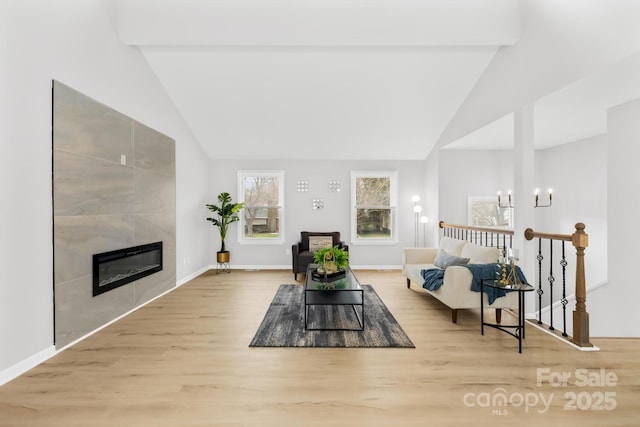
{"x": 242, "y": 174}
{"x": 393, "y": 207}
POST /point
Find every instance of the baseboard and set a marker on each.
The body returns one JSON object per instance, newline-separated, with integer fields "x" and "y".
{"x": 570, "y": 298}
{"x": 193, "y": 275}
{"x": 31, "y": 362}
{"x": 566, "y": 341}
{"x": 288, "y": 267}
{"x": 257, "y": 267}
{"x": 25, "y": 365}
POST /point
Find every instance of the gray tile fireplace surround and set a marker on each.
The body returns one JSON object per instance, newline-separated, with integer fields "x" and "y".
{"x": 113, "y": 187}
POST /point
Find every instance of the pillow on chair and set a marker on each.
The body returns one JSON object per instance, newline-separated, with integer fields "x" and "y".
{"x": 319, "y": 242}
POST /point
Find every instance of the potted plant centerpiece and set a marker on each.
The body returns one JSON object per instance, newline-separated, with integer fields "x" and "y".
{"x": 226, "y": 213}
{"x": 332, "y": 261}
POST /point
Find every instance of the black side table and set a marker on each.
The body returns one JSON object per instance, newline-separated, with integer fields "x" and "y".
{"x": 518, "y": 330}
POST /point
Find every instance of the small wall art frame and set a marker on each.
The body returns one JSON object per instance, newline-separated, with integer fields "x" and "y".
{"x": 483, "y": 211}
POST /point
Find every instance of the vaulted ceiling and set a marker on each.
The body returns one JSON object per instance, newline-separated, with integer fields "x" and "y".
{"x": 577, "y": 111}
{"x": 333, "y": 79}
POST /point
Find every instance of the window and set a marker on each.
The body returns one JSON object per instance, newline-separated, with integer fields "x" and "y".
{"x": 373, "y": 216}
{"x": 262, "y": 218}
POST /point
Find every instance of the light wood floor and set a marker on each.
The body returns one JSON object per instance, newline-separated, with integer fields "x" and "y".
{"x": 184, "y": 360}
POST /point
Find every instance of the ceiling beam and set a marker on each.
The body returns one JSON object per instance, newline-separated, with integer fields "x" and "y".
{"x": 319, "y": 22}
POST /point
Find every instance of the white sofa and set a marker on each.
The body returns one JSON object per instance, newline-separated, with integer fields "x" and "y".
{"x": 456, "y": 290}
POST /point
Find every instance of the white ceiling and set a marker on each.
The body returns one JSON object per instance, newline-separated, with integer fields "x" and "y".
{"x": 342, "y": 79}
{"x": 324, "y": 103}
{"x": 575, "y": 112}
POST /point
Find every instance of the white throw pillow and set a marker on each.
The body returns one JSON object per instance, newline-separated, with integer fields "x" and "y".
{"x": 452, "y": 246}
{"x": 480, "y": 254}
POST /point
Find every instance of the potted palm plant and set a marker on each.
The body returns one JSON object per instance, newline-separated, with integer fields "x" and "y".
{"x": 226, "y": 213}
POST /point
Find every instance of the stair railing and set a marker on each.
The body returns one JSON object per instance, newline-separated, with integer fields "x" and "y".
{"x": 580, "y": 240}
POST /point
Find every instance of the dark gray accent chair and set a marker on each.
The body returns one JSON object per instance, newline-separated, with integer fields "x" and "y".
{"x": 302, "y": 256}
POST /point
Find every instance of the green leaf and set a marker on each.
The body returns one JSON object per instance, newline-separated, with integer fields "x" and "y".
{"x": 227, "y": 213}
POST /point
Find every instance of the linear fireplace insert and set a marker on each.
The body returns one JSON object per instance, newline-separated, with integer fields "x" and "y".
{"x": 116, "y": 268}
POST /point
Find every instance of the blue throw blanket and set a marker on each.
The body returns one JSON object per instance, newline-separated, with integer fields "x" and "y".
{"x": 434, "y": 278}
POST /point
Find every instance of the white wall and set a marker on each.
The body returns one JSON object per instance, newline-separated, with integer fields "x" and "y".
{"x": 299, "y": 216}
{"x": 468, "y": 173}
{"x": 432, "y": 197}
{"x": 618, "y": 302}
{"x": 562, "y": 41}
{"x": 577, "y": 173}
{"x": 74, "y": 42}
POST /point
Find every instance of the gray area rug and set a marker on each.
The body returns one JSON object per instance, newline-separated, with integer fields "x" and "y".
{"x": 283, "y": 325}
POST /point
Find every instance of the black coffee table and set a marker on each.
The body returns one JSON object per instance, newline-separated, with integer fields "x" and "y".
{"x": 342, "y": 290}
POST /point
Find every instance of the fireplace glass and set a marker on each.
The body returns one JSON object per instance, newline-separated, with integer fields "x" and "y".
{"x": 116, "y": 268}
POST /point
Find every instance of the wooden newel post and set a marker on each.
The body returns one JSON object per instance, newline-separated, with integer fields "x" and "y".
{"x": 580, "y": 240}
